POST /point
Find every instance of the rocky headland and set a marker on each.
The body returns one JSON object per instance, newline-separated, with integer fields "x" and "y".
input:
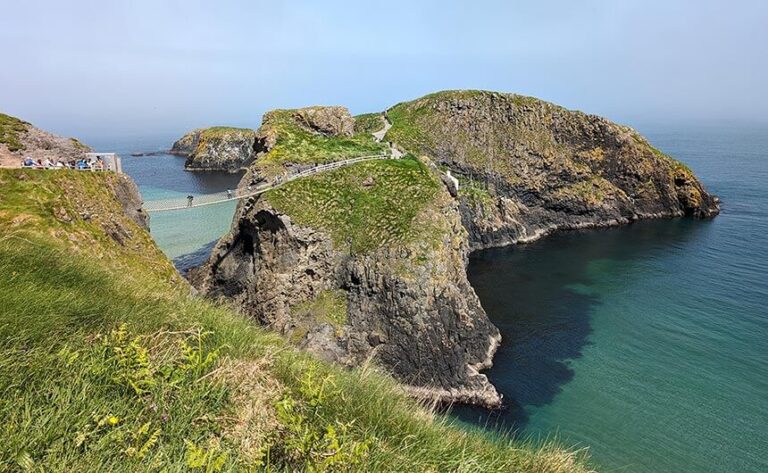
{"x": 529, "y": 167}
{"x": 218, "y": 148}
{"x": 369, "y": 261}
{"x": 20, "y": 139}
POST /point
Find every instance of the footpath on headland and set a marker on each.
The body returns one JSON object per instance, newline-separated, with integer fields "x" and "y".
{"x": 179, "y": 203}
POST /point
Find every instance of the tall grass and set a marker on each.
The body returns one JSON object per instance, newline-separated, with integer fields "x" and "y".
{"x": 108, "y": 367}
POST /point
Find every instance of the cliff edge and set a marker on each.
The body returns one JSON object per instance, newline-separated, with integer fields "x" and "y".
{"x": 529, "y": 167}
{"x": 218, "y": 148}
{"x": 20, "y": 139}
{"x": 369, "y": 261}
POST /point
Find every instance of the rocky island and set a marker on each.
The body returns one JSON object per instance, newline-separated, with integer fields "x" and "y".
{"x": 218, "y": 148}
{"x": 369, "y": 261}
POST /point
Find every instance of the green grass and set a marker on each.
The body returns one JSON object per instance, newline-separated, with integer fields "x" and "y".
{"x": 364, "y": 206}
{"x": 108, "y": 364}
{"x": 223, "y": 131}
{"x": 330, "y": 306}
{"x": 474, "y": 190}
{"x": 368, "y": 123}
{"x": 298, "y": 145}
{"x": 10, "y": 129}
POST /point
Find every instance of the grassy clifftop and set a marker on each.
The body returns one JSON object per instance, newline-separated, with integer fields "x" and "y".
{"x": 542, "y": 151}
{"x": 10, "y": 128}
{"x": 364, "y": 206}
{"x": 297, "y": 143}
{"x": 108, "y": 364}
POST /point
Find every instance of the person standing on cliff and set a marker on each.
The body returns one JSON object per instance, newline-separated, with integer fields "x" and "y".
{"x": 189, "y": 200}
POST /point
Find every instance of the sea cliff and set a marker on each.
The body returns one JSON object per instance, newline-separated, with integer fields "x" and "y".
{"x": 218, "y": 148}
{"x": 529, "y": 167}
{"x": 368, "y": 262}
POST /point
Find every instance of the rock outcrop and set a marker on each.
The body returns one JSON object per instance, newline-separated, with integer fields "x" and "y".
{"x": 329, "y": 121}
{"x": 186, "y": 145}
{"x": 127, "y": 194}
{"x": 368, "y": 261}
{"x": 219, "y": 148}
{"x": 20, "y": 139}
{"x": 530, "y": 167}
{"x": 405, "y": 299}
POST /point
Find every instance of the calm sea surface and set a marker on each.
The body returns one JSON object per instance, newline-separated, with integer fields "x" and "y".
{"x": 648, "y": 344}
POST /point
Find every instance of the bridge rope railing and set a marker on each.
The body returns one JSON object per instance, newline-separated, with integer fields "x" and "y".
{"x": 179, "y": 203}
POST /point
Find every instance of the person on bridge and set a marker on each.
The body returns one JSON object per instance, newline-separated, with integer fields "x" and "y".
{"x": 189, "y": 200}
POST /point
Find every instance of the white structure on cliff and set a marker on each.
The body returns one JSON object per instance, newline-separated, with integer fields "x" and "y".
{"x": 111, "y": 161}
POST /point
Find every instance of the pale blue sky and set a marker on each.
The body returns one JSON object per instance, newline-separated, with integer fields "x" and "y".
{"x": 123, "y": 68}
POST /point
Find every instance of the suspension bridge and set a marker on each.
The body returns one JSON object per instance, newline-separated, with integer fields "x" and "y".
{"x": 179, "y": 203}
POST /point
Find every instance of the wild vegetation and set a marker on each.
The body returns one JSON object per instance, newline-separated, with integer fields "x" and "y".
{"x": 10, "y": 128}
{"x": 297, "y": 145}
{"x": 108, "y": 364}
{"x": 368, "y": 123}
{"x": 364, "y": 206}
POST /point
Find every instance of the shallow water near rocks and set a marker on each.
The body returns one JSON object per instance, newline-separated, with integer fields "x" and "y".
{"x": 646, "y": 343}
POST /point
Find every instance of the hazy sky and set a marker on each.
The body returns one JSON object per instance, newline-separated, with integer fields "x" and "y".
{"x": 123, "y": 68}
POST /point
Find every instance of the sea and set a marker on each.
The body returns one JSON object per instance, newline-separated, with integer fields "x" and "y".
{"x": 647, "y": 344}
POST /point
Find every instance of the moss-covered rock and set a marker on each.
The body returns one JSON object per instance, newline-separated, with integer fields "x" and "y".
{"x": 369, "y": 123}
{"x": 10, "y": 130}
{"x": 546, "y": 167}
{"x": 388, "y": 236}
{"x": 394, "y": 239}
{"x": 307, "y": 136}
{"x": 218, "y": 148}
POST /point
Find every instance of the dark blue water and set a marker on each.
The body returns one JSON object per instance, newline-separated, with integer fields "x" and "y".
{"x": 648, "y": 343}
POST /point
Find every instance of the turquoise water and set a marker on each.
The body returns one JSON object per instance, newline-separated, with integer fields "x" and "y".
{"x": 648, "y": 343}
{"x": 181, "y": 234}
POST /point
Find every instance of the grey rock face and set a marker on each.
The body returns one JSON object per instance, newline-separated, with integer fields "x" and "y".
{"x": 542, "y": 168}
{"x": 423, "y": 323}
{"x": 186, "y": 145}
{"x": 127, "y": 193}
{"x": 336, "y": 121}
{"x": 40, "y": 144}
{"x": 219, "y": 148}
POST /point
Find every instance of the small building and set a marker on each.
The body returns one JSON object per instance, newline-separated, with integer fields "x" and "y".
{"x": 111, "y": 161}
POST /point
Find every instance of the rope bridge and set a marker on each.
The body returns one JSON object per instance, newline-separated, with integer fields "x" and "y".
{"x": 179, "y": 203}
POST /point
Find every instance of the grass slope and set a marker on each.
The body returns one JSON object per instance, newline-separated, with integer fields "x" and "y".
{"x": 10, "y": 128}
{"x": 363, "y": 206}
{"x": 369, "y": 123}
{"x": 108, "y": 364}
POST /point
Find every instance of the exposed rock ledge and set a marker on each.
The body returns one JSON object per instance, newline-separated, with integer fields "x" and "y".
{"x": 408, "y": 306}
{"x": 219, "y": 148}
